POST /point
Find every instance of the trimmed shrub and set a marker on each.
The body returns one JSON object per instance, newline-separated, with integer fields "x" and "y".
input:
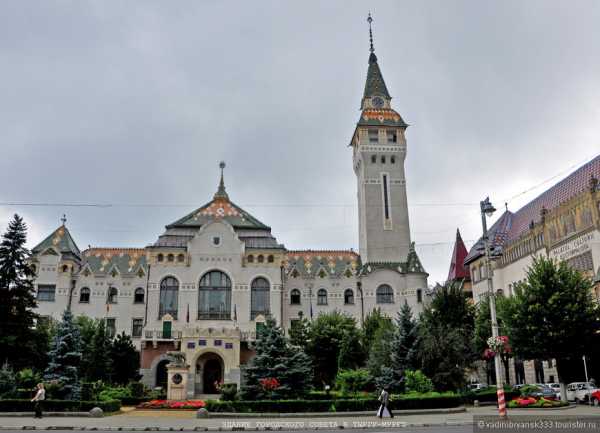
{"x": 137, "y": 389}
{"x": 116, "y": 393}
{"x": 229, "y": 391}
{"x": 15, "y": 405}
{"x": 416, "y": 381}
{"x": 354, "y": 380}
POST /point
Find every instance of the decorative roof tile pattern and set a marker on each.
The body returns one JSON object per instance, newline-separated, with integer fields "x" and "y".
{"x": 457, "y": 268}
{"x": 61, "y": 240}
{"x": 381, "y": 117}
{"x": 511, "y": 225}
{"x": 125, "y": 261}
{"x": 375, "y": 84}
{"x": 321, "y": 264}
{"x": 219, "y": 208}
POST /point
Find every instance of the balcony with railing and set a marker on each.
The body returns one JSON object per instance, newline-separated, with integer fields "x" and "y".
{"x": 161, "y": 335}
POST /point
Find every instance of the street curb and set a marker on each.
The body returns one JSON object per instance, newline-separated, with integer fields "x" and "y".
{"x": 46, "y": 414}
{"x": 218, "y": 429}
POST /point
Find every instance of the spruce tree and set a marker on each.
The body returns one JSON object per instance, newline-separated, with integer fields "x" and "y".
{"x": 276, "y": 358}
{"x": 65, "y": 357}
{"x": 17, "y": 299}
{"x": 124, "y": 359}
{"x": 100, "y": 368}
{"x": 402, "y": 351}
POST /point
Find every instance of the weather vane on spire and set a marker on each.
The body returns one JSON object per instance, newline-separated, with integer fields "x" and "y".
{"x": 63, "y": 220}
{"x": 221, "y": 191}
{"x": 370, "y": 20}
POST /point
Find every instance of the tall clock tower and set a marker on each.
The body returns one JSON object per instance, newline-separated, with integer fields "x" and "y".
{"x": 379, "y": 151}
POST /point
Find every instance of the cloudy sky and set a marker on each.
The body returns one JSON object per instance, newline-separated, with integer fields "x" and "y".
{"x": 135, "y": 103}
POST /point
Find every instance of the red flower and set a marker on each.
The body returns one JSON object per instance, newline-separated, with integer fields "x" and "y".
{"x": 269, "y": 383}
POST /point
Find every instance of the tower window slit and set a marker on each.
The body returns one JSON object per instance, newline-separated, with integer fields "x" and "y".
{"x": 385, "y": 198}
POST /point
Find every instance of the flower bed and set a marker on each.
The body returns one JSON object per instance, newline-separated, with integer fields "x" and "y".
{"x": 531, "y": 402}
{"x": 172, "y": 404}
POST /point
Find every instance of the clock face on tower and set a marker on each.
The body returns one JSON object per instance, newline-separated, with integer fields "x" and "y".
{"x": 377, "y": 102}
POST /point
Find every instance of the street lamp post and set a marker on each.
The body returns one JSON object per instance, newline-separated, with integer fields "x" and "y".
{"x": 487, "y": 209}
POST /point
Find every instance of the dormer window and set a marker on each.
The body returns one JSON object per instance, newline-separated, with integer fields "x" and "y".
{"x": 373, "y": 136}
{"x": 392, "y": 136}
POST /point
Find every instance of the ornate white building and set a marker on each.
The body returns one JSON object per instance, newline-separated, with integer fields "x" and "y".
{"x": 214, "y": 275}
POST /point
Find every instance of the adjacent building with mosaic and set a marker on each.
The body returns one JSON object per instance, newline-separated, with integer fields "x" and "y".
{"x": 215, "y": 275}
{"x": 562, "y": 223}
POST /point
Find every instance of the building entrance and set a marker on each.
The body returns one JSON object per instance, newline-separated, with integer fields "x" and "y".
{"x": 209, "y": 373}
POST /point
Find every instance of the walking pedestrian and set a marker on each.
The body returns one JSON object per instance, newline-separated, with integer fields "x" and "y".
{"x": 384, "y": 410}
{"x": 40, "y": 396}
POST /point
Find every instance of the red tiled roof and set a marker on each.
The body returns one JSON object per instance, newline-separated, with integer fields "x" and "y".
{"x": 511, "y": 225}
{"x": 564, "y": 190}
{"x": 457, "y": 269}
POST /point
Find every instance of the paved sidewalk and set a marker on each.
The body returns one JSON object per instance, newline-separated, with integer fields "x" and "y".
{"x": 141, "y": 420}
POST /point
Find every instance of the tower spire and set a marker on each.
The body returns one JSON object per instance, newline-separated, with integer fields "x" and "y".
{"x": 221, "y": 193}
{"x": 370, "y": 20}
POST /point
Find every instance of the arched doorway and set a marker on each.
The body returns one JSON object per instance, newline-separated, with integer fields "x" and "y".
{"x": 161, "y": 374}
{"x": 209, "y": 372}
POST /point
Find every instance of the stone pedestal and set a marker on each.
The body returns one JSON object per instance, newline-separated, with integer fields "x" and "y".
{"x": 177, "y": 382}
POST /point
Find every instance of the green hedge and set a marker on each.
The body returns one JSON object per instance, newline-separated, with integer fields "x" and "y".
{"x": 17, "y": 405}
{"x": 340, "y": 405}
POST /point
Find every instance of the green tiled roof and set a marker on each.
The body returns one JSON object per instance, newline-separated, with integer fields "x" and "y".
{"x": 125, "y": 261}
{"x": 375, "y": 84}
{"x": 412, "y": 265}
{"x": 238, "y": 219}
{"x": 321, "y": 264}
{"x": 61, "y": 240}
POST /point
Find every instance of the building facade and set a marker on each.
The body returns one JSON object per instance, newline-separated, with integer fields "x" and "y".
{"x": 562, "y": 223}
{"x": 215, "y": 275}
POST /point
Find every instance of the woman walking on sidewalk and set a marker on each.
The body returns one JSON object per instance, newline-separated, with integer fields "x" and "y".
{"x": 384, "y": 410}
{"x": 40, "y": 396}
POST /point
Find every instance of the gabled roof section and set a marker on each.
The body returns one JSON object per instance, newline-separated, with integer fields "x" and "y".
{"x": 219, "y": 208}
{"x": 498, "y": 233}
{"x": 457, "y": 268}
{"x": 61, "y": 240}
{"x": 310, "y": 263}
{"x": 413, "y": 263}
{"x": 381, "y": 117}
{"x": 125, "y": 261}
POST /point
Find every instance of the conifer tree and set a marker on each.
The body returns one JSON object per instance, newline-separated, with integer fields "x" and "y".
{"x": 125, "y": 360}
{"x": 65, "y": 357}
{"x": 17, "y": 299}
{"x": 276, "y": 359}
{"x": 100, "y": 368}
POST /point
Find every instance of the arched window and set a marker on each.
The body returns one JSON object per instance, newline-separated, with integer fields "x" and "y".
{"x": 84, "y": 295}
{"x": 500, "y": 292}
{"x": 250, "y": 258}
{"x": 112, "y": 295}
{"x": 65, "y": 268}
{"x": 170, "y": 258}
{"x": 180, "y": 258}
{"x": 295, "y": 297}
{"x": 385, "y": 294}
{"x": 271, "y": 258}
{"x": 214, "y": 296}
{"x": 261, "y": 258}
{"x": 348, "y": 297}
{"x": 138, "y": 296}
{"x": 322, "y": 297}
{"x": 160, "y": 258}
{"x": 259, "y": 297}
{"x": 169, "y": 295}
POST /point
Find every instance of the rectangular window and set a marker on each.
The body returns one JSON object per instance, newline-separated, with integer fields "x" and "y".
{"x": 386, "y": 204}
{"x": 419, "y": 296}
{"x": 111, "y": 327}
{"x": 136, "y": 327}
{"x": 392, "y": 136}
{"x": 46, "y": 292}
{"x": 373, "y": 136}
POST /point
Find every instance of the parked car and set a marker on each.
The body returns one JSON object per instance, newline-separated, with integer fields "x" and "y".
{"x": 539, "y": 390}
{"x": 596, "y": 398}
{"x": 477, "y": 386}
{"x": 555, "y": 387}
{"x": 580, "y": 391}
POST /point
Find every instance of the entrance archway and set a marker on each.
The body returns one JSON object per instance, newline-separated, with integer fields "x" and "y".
{"x": 209, "y": 371}
{"x": 161, "y": 374}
